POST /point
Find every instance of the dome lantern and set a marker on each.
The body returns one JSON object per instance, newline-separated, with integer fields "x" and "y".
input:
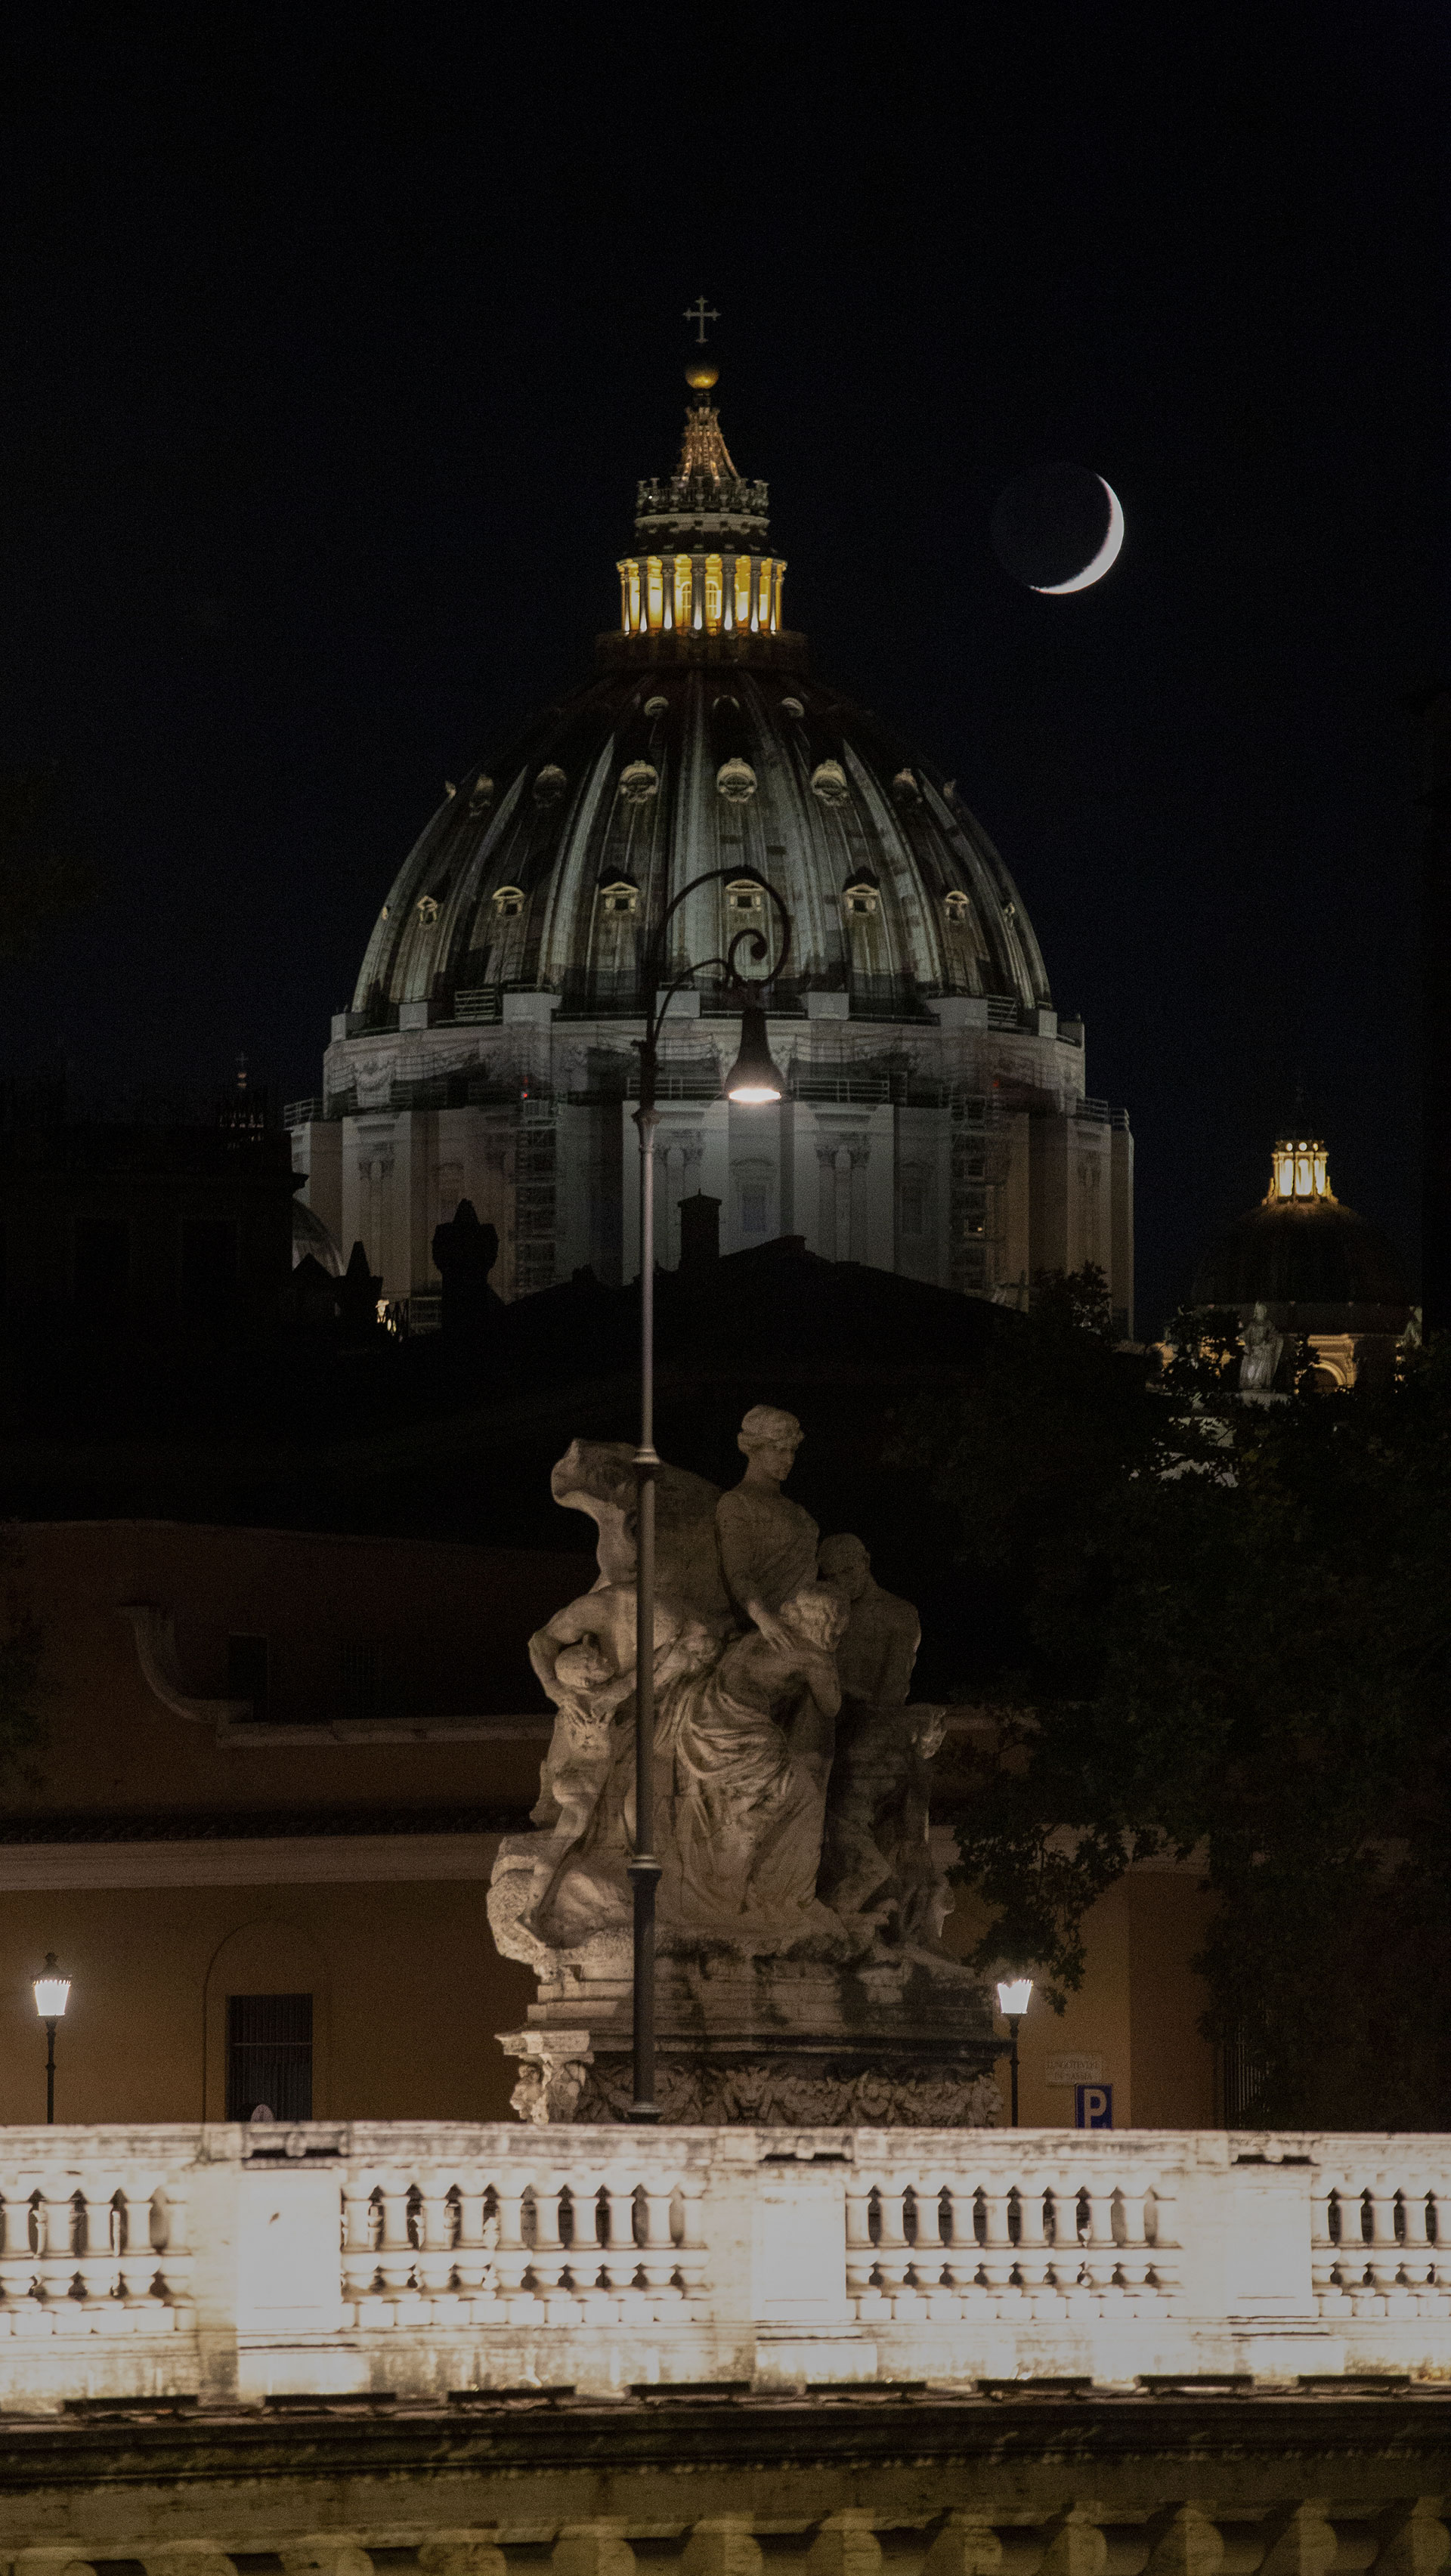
{"x": 702, "y": 569}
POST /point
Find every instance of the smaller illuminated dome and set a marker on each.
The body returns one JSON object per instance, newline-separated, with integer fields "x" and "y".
{"x": 1302, "y": 1246}
{"x": 1313, "y": 1269}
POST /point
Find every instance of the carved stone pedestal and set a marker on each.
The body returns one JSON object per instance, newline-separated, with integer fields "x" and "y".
{"x": 774, "y": 2043}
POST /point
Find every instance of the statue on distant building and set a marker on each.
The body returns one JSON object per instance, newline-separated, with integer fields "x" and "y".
{"x": 464, "y": 1253}
{"x": 1262, "y": 1348}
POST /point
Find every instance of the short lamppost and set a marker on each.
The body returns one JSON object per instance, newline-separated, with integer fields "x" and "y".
{"x": 1013, "y": 1995}
{"x": 52, "y": 1991}
{"x": 752, "y": 1079}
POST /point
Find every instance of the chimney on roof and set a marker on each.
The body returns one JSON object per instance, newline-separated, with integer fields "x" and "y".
{"x": 699, "y": 1232}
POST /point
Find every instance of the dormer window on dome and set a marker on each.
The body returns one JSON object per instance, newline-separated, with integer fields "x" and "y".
{"x": 428, "y": 910}
{"x": 639, "y": 782}
{"x": 701, "y": 566}
{"x": 861, "y": 898}
{"x": 1299, "y": 1172}
{"x": 507, "y": 901}
{"x": 955, "y": 905}
{"x": 743, "y": 895}
{"x": 619, "y": 896}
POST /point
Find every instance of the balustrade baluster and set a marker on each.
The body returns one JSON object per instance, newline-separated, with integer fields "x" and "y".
{"x": 692, "y": 2254}
{"x": 470, "y": 2256}
{"x": 435, "y": 2254}
{"x": 359, "y": 2260}
{"x": 998, "y": 2252}
{"x": 1164, "y": 2252}
{"x": 1383, "y": 2254}
{"x": 1324, "y": 2252}
{"x": 587, "y": 2256}
{"x": 657, "y": 2255}
{"x": 1416, "y": 2251}
{"x": 1355, "y": 2259}
{"x": 513, "y": 2256}
{"x": 893, "y": 2252}
{"x": 861, "y": 2253}
{"x": 1034, "y": 2254}
{"x": 549, "y": 2253}
{"x": 395, "y": 2250}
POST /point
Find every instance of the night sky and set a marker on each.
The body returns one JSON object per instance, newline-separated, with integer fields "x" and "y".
{"x": 335, "y": 341}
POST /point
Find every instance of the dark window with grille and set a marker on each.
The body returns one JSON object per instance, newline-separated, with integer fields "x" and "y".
{"x": 103, "y": 1264}
{"x": 269, "y": 2056}
{"x": 247, "y": 1671}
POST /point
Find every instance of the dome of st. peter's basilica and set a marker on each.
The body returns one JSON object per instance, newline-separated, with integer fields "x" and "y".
{"x": 934, "y": 1120}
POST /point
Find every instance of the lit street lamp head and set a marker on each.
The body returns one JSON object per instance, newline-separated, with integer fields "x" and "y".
{"x": 51, "y": 1990}
{"x": 1013, "y": 1994}
{"x": 753, "y": 1078}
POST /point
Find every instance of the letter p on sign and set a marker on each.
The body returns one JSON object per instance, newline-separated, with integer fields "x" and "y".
{"x": 1093, "y": 2106}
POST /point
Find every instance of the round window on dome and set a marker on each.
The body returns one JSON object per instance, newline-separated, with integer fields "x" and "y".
{"x": 828, "y": 783}
{"x": 550, "y": 784}
{"x": 792, "y": 707}
{"x": 736, "y": 781}
{"x": 657, "y": 706}
{"x": 639, "y": 782}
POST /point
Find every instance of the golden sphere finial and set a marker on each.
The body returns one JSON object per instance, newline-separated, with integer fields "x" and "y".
{"x": 701, "y": 372}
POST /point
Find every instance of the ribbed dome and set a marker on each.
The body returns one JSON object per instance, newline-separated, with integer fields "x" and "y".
{"x": 545, "y": 867}
{"x": 1322, "y": 1255}
{"x": 1301, "y": 1246}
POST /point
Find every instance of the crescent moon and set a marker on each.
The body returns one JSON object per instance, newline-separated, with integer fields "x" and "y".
{"x": 1106, "y": 556}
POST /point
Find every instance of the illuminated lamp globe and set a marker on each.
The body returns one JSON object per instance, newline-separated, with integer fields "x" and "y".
{"x": 753, "y": 1078}
{"x": 1013, "y": 1996}
{"x": 701, "y": 374}
{"x": 52, "y": 1990}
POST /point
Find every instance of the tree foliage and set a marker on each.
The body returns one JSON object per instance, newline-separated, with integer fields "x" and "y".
{"x": 1233, "y": 1626}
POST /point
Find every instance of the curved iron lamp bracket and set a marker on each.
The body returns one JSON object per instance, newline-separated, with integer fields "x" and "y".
{"x": 753, "y": 941}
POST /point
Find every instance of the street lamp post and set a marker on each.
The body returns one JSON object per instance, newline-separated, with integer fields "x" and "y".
{"x": 1013, "y": 1998}
{"x": 52, "y": 1992}
{"x": 752, "y": 1078}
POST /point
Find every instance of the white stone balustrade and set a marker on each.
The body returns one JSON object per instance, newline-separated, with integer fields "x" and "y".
{"x": 425, "y": 2258}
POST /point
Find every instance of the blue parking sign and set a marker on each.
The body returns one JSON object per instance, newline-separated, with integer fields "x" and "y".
{"x": 1093, "y": 2106}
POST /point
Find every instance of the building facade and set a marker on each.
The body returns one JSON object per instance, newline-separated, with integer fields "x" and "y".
{"x": 935, "y": 1118}
{"x": 260, "y": 1820}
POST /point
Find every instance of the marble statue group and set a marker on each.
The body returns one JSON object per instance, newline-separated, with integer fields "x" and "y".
{"x": 799, "y": 1892}
{"x": 791, "y": 1794}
